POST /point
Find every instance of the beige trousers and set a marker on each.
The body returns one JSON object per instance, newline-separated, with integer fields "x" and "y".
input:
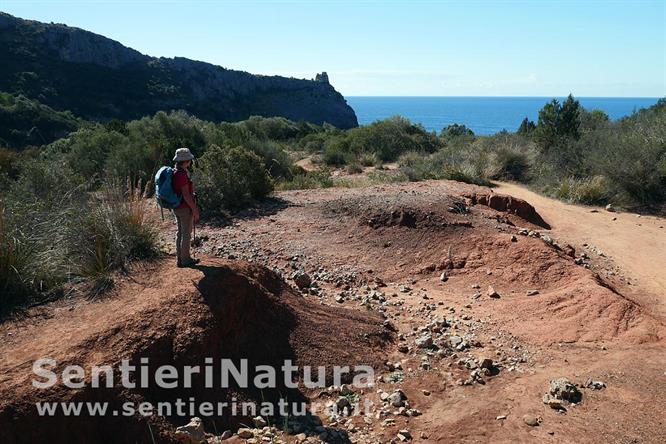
{"x": 183, "y": 234}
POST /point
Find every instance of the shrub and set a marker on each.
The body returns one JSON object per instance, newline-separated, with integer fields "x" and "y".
{"x": 368, "y": 159}
{"x": 275, "y": 158}
{"x": 336, "y": 152}
{"x": 510, "y": 164}
{"x": 309, "y": 180}
{"x": 590, "y": 191}
{"x": 354, "y": 168}
{"x": 228, "y": 178}
{"x": 113, "y": 231}
{"x": 54, "y": 229}
{"x": 455, "y": 130}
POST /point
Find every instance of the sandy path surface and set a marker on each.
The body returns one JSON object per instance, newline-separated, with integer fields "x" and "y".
{"x": 637, "y": 244}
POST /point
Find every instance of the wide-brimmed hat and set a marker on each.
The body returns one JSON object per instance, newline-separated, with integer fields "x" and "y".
{"x": 183, "y": 154}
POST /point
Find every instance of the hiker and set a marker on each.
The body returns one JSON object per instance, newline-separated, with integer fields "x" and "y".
{"x": 187, "y": 213}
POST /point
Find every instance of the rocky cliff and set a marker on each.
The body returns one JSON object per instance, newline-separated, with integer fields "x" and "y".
{"x": 99, "y": 78}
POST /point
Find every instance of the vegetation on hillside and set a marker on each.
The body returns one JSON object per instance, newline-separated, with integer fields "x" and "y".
{"x": 73, "y": 211}
{"x": 25, "y": 122}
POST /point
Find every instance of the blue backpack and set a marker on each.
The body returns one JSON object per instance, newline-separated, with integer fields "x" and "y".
{"x": 164, "y": 192}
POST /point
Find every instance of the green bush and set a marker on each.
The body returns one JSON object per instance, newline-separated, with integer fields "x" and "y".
{"x": 336, "y": 152}
{"x": 228, "y": 178}
{"x": 354, "y": 168}
{"x": 113, "y": 231}
{"x": 368, "y": 159}
{"x": 54, "y": 229}
{"x": 308, "y": 180}
{"x": 25, "y": 122}
{"x": 590, "y": 191}
{"x": 510, "y": 164}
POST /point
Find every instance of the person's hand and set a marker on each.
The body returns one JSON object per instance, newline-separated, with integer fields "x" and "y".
{"x": 195, "y": 215}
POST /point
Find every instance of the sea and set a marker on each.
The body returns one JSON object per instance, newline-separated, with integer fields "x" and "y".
{"x": 483, "y": 115}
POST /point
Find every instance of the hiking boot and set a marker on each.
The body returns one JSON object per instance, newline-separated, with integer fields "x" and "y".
{"x": 187, "y": 263}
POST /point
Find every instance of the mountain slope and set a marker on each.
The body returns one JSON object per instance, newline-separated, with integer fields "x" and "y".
{"x": 98, "y": 78}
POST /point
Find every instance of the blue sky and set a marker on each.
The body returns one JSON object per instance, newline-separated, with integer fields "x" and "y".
{"x": 444, "y": 48}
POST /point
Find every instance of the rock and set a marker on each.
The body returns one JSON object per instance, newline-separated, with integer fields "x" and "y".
{"x": 569, "y": 251}
{"x": 561, "y": 391}
{"x": 397, "y": 398}
{"x": 532, "y": 292}
{"x": 259, "y": 422}
{"x": 343, "y": 405}
{"x": 192, "y": 433}
{"x": 245, "y": 433}
{"x": 444, "y": 277}
{"x": 553, "y": 402}
{"x": 547, "y": 239}
{"x": 514, "y": 238}
{"x": 300, "y": 438}
{"x": 492, "y": 292}
{"x": 226, "y": 435}
{"x": 485, "y": 363}
{"x": 501, "y": 417}
{"x": 424, "y": 341}
{"x": 610, "y": 208}
{"x": 455, "y": 341}
{"x": 564, "y": 389}
{"x": 302, "y": 279}
{"x": 596, "y": 385}
{"x": 404, "y": 435}
{"x": 530, "y": 420}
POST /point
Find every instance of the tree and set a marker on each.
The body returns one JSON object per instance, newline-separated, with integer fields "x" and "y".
{"x": 569, "y": 119}
{"x": 558, "y": 124}
{"x": 456, "y": 130}
{"x": 526, "y": 127}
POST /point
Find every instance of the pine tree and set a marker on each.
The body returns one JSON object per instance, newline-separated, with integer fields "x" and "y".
{"x": 526, "y": 127}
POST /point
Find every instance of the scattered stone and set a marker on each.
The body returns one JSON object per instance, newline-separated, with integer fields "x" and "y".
{"x": 596, "y": 385}
{"x": 397, "y": 398}
{"x": 192, "y": 432}
{"x": 532, "y": 292}
{"x": 455, "y": 341}
{"x": 514, "y": 238}
{"x": 610, "y": 208}
{"x": 531, "y": 420}
{"x": 501, "y": 417}
{"x": 485, "y": 363}
{"x": 492, "y": 292}
{"x": 404, "y": 435}
{"x": 561, "y": 391}
{"x": 302, "y": 279}
{"x": 424, "y": 341}
{"x": 444, "y": 276}
{"x": 259, "y": 422}
{"x": 244, "y": 433}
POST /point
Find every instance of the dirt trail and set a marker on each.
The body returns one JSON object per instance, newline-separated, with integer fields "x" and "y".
{"x": 461, "y": 303}
{"x": 636, "y": 244}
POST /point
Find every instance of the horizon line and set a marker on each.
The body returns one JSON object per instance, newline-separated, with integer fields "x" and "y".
{"x": 509, "y": 97}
